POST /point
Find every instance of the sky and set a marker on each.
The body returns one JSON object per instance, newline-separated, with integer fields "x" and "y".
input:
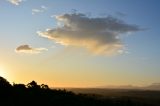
{"x": 80, "y": 43}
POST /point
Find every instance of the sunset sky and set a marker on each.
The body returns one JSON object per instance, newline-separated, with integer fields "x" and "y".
{"x": 80, "y": 43}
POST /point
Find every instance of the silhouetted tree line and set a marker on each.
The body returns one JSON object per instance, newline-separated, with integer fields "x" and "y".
{"x": 33, "y": 94}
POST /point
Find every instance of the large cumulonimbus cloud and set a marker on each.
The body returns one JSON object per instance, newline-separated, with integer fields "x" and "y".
{"x": 99, "y": 35}
{"x": 29, "y": 50}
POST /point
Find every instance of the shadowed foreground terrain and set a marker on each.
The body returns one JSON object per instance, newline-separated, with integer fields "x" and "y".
{"x": 33, "y": 94}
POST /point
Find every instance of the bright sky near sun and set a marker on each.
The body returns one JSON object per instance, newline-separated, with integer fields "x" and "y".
{"x": 80, "y": 43}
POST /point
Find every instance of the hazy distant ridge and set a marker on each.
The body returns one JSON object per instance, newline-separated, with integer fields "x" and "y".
{"x": 154, "y": 86}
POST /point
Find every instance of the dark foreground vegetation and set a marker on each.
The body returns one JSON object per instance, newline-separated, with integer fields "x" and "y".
{"x": 33, "y": 94}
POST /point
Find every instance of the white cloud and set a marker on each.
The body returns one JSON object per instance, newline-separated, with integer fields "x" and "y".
{"x": 29, "y": 50}
{"x": 40, "y": 10}
{"x": 15, "y": 2}
{"x": 44, "y": 7}
{"x": 36, "y": 11}
{"x": 99, "y": 35}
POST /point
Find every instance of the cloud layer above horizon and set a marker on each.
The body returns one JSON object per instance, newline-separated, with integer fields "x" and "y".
{"x": 100, "y": 35}
{"x": 29, "y": 50}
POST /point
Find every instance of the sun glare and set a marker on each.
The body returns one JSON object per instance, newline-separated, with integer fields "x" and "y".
{"x": 2, "y": 72}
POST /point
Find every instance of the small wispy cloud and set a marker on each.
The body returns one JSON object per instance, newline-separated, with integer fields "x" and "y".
{"x": 39, "y": 10}
{"x": 44, "y": 7}
{"x": 15, "y": 2}
{"x": 34, "y": 11}
{"x": 100, "y": 35}
{"x": 29, "y": 50}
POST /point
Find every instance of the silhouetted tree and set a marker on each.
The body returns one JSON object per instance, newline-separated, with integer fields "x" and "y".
{"x": 19, "y": 86}
{"x": 4, "y": 83}
{"x": 4, "y": 86}
{"x": 33, "y": 84}
{"x": 33, "y": 94}
{"x": 43, "y": 86}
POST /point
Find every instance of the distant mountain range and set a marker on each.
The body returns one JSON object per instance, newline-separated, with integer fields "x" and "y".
{"x": 154, "y": 86}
